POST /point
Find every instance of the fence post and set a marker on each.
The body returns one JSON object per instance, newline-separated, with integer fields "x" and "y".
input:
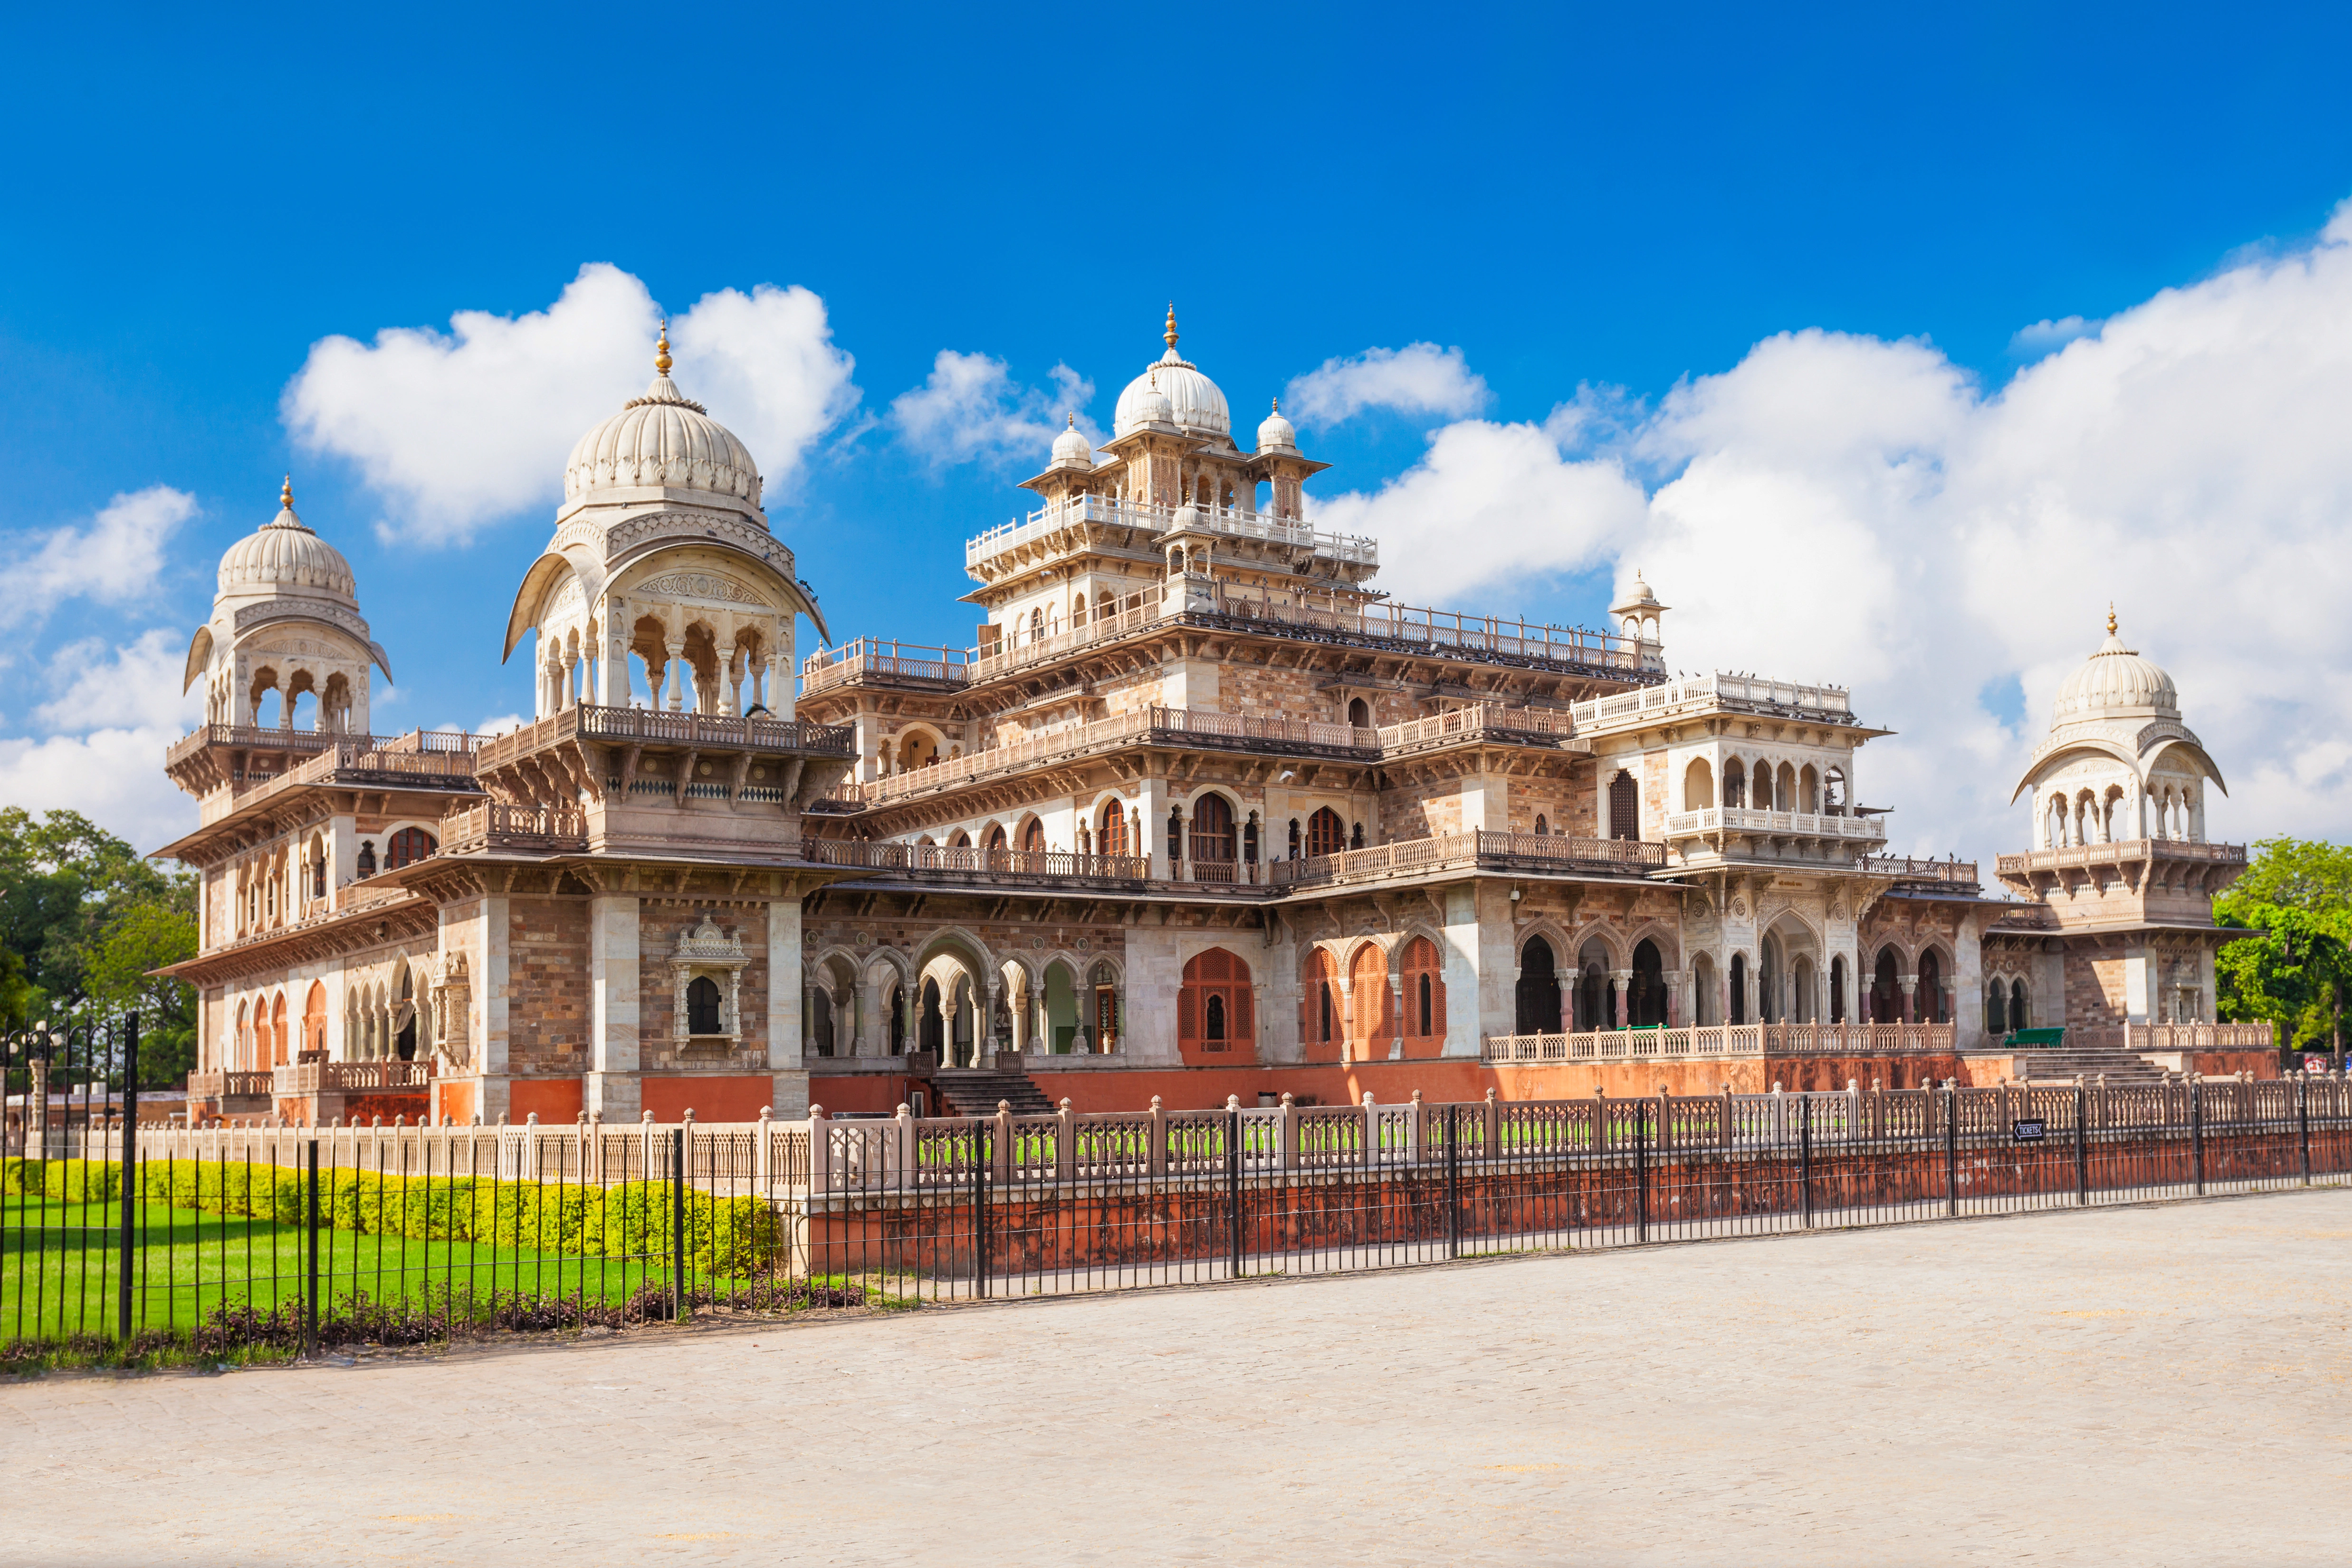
{"x": 130, "y": 1184}
{"x": 2303, "y": 1121}
{"x": 2197, "y": 1131}
{"x": 1066, "y": 1144}
{"x": 1233, "y": 1177}
{"x": 2082, "y": 1146}
{"x": 678, "y": 1222}
{"x": 1286, "y": 1133}
{"x": 1453, "y": 1183}
{"x": 979, "y": 1206}
{"x": 1491, "y": 1143}
{"x": 1952, "y": 1149}
{"x": 1371, "y": 1132}
{"x": 1640, "y": 1172}
{"x": 1805, "y": 1157}
{"x": 1158, "y": 1165}
{"x": 1000, "y": 1161}
{"x": 310, "y": 1290}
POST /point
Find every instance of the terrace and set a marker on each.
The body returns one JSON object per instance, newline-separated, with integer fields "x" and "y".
{"x": 1111, "y": 511}
{"x": 1736, "y": 693}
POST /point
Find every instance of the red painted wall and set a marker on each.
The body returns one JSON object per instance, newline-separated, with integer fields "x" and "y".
{"x": 710, "y": 1099}
{"x": 553, "y": 1099}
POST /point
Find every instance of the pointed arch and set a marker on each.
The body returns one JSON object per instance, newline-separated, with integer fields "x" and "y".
{"x": 1424, "y": 998}
{"x": 1216, "y": 1013}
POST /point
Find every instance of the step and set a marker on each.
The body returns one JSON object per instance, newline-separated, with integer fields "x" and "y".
{"x": 978, "y": 1093}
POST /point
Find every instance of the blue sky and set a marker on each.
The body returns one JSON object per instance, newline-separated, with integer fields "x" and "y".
{"x": 1594, "y": 208}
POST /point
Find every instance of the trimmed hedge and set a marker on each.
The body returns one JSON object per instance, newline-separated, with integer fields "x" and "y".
{"x": 723, "y": 1236}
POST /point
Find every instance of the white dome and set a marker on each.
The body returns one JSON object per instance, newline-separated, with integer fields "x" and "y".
{"x": 1192, "y": 399}
{"x": 1274, "y": 431}
{"x": 1070, "y": 447}
{"x": 2116, "y": 680}
{"x": 662, "y": 440}
{"x": 284, "y": 553}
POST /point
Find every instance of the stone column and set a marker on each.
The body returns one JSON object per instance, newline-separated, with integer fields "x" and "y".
{"x": 675, "y": 666}
{"x": 1910, "y": 999}
{"x": 1619, "y": 980}
{"x": 784, "y": 1034}
{"x": 614, "y": 1051}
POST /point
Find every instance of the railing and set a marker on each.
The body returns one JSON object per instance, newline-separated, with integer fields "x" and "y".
{"x": 1666, "y": 1044}
{"x": 351, "y": 1078}
{"x": 1144, "y": 725}
{"x": 1450, "y": 850}
{"x": 966, "y": 859}
{"x": 2107, "y": 854}
{"x": 659, "y": 726}
{"x": 1829, "y": 702}
{"x": 1474, "y": 720}
{"x": 1110, "y": 510}
{"x": 829, "y": 667}
{"x": 2138, "y": 1038}
{"x": 1903, "y": 868}
{"x": 1778, "y": 823}
{"x": 221, "y": 1085}
{"x": 497, "y": 825}
{"x": 260, "y": 737}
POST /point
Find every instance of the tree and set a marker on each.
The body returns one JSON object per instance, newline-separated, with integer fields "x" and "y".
{"x": 146, "y": 936}
{"x": 2294, "y": 969}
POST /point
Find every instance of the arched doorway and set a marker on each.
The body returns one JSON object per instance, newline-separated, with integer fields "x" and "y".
{"x": 1929, "y": 999}
{"x": 930, "y": 1022}
{"x": 1591, "y": 1005}
{"x": 1212, "y": 833}
{"x": 1326, "y": 833}
{"x": 1739, "y": 988}
{"x": 2017, "y": 1015}
{"x": 1110, "y": 830}
{"x": 1707, "y": 996}
{"x": 1645, "y": 997}
{"x": 1886, "y": 989}
{"x": 1215, "y": 1018}
{"x": 1996, "y": 1009}
{"x": 1321, "y": 1024}
{"x": 1624, "y": 806}
{"x": 1424, "y": 1000}
{"x": 1373, "y": 1031}
{"x": 1538, "y": 989}
{"x": 1837, "y": 989}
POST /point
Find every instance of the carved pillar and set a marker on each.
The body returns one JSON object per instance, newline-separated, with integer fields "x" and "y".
{"x": 1619, "y": 981}
{"x": 1910, "y": 989}
{"x": 674, "y": 665}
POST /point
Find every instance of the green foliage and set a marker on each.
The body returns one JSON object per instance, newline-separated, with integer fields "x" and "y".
{"x": 83, "y": 917}
{"x": 2293, "y": 971}
{"x": 723, "y": 1236}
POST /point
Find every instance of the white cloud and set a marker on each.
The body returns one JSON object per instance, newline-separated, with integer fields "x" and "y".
{"x": 1861, "y": 511}
{"x": 133, "y": 685}
{"x": 1419, "y": 378}
{"x": 458, "y": 430}
{"x": 115, "y": 558}
{"x": 503, "y": 724}
{"x": 2044, "y": 337}
{"x": 971, "y": 409}
{"x": 114, "y": 777}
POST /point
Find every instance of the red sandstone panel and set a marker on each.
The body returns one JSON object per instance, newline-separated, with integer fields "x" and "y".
{"x": 553, "y": 1099}
{"x": 710, "y": 1099}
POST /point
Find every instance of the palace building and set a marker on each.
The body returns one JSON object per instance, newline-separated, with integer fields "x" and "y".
{"x": 1205, "y": 812}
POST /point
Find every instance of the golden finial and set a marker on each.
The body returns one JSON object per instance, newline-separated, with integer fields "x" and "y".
{"x": 1278, "y": 405}
{"x": 2111, "y": 618}
{"x": 661, "y": 350}
{"x": 286, "y": 493}
{"x": 1170, "y": 333}
{"x": 1073, "y": 421}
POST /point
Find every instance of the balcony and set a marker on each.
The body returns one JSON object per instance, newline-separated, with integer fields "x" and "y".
{"x": 1739, "y": 693}
{"x": 1958, "y": 876}
{"x": 1112, "y": 512}
{"x": 1738, "y": 821}
{"x": 224, "y": 1086}
{"x": 1480, "y": 850}
{"x": 515, "y": 830}
{"x": 305, "y": 1078}
{"x": 883, "y": 662}
{"x": 2073, "y": 857}
{"x": 1482, "y": 722}
{"x": 662, "y": 726}
{"x": 963, "y": 864}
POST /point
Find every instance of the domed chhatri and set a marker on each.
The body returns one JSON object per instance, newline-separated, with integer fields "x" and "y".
{"x": 284, "y": 553}
{"x": 2116, "y": 680}
{"x": 1071, "y": 447}
{"x": 662, "y": 440}
{"x": 1193, "y": 402}
{"x": 1275, "y": 433}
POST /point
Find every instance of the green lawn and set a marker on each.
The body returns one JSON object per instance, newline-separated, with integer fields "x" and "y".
{"x": 59, "y": 1268}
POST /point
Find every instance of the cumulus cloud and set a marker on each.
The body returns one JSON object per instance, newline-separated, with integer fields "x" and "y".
{"x": 970, "y": 409}
{"x": 1419, "y": 378}
{"x": 1847, "y": 509}
{"x": 460, "y": 428}
{"x": 115, "y": 557}
{"x": 2045, "y": 337}
{"x": 133, "y": 685}
{"x": 114, "y": 777}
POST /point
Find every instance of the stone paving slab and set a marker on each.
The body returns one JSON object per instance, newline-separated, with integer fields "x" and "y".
{"x": 2146, "y": 1385}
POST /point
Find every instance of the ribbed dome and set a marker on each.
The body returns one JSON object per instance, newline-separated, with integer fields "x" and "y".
{"x": 1274, "y": 432}
{"x": 284, "y": 553}
{"x": 662, "y": 440}
{"x": 2116, "y": 680}
{"x": 1193, "y": 401}
{"x": 1070, "y": 447}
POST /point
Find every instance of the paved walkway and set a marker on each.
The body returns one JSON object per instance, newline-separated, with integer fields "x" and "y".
{"x": 2151, "y": 1386}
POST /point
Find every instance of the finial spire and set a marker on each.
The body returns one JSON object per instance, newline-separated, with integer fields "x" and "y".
{"x": 286, "y": 493}
{"x": 1073, "y": 421}
{"x": 1278, "y": 405}
{"x": 2111, "y": 618}
{"x": 1170, "y": 333}
{"x": 661, "y": 350}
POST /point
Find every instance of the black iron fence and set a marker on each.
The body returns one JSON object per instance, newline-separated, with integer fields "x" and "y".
{"x": 127, "y": 1241}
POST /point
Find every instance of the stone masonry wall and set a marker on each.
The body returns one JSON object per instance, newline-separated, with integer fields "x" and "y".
{"x": 547, "y": 967}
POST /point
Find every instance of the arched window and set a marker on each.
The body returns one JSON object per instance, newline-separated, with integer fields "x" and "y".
{"x": 1175, "y": 834}
{"x": 1837, "y": 989}
{"x": 1212, "y": 1007}
{"x": 1808, "y": 790}
{"x": 1213, "y": 828}
{"x": 1739, "y": 988}
{"x": 367, "y": 858}
{"x": 2017, "y": 1018}
{"x": 407, "y": 846}
{"x": 1294, "y": 838}
{"x": 1359, "y": 714}
{"x": 1784, "y": 790}
{"x": 962, "y": 841}
{"x": 1645, "y": 996}
{"x": 1735, "y": 784}
{"x": 702, "y": 1011}
{"x": 1996, "y": 1009}
{"x": 1375, "y": 1022}
{"x": 1036, "y": 626}
{"x": 1318, "y": 1009}
{"x": 1930, "y": 1003}
{"x": 1885, "y": 989}
{"x": 1542, "y": 827}
{"x": 279, "y": 1056}
{"x": 1624, "y": 806}
{"x": 1032, "y": 837}
{"x": 1103, "y": 983}
{"x": 1698, "y": 785}
{"x": 1356, "y": 836}
{"x": 930, "y": 1033}
{"x": 995, "y": 838}
{"x": 1078, "y": 611}
{"x": 1249, "y": 840}
{"x": 1326, "y": 833}
{"x": 1538, "y": 989}
{"x": 1424, "y": 999}
{"x": 1706, "y": 999}
{"x": 1110, "y": 837}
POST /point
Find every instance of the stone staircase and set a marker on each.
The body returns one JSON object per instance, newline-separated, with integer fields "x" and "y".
{"x": 976, "y": 1091}
{"x": 2062, "y": 1065}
